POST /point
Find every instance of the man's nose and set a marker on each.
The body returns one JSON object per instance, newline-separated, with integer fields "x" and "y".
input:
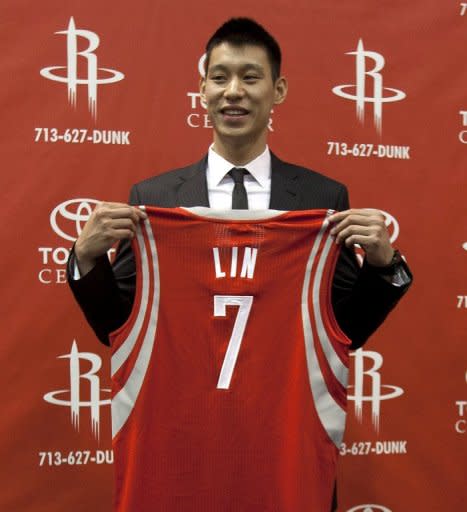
{"x": 234, "y": 88}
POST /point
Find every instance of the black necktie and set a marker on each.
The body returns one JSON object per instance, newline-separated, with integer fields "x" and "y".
{"x": 239, "y": 197}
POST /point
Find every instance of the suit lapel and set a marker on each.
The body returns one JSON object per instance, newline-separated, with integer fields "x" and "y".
{"x": 285, "y": 194}
{"x": 193, "y": 189}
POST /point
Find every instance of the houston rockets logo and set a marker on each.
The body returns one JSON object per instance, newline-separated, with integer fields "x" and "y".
{"x": 73, "y": 395}
{"x": 70, "y": 77}
{"x": 360, "y": 87}
{"x": 377, "y": 391}
{"x": 68, "y": 218}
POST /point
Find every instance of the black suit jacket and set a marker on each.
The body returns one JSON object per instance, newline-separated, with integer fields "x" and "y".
{"x": 361, "y": 297}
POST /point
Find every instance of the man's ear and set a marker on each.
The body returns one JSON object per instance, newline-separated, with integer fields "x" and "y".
{"x": 280, "y": 90}
{"x": 202, "y": 89}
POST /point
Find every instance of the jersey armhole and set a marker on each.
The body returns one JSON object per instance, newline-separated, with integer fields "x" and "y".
{"x": 117, "y": 333}
{"x": 146, "y": 264}
{"x": 329, "y": 309}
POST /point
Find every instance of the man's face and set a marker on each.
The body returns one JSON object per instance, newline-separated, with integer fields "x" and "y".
{"x": 239, "y": 93}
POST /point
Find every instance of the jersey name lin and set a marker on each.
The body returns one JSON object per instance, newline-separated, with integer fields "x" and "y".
{"x": 221, "y": 262}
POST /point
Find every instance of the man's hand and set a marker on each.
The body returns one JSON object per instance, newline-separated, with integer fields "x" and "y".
{"x": 365, "y": 227}
{"x": 108, "y": 223}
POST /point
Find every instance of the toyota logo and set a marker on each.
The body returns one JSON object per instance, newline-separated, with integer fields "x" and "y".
{"x": 392, "y": 225}
{"x": 201, "y": 63}
{"x": 68, "y": 218}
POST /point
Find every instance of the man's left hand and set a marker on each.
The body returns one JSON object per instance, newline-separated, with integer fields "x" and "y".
{"x": 365, "y": 227}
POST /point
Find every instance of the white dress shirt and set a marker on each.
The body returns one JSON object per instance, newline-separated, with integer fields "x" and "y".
{"x": 257, "y": 182}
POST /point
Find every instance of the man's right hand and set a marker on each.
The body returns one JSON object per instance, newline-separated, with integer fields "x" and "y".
{"x": 109, "y": 223}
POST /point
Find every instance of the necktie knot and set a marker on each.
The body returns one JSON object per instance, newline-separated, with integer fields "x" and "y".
{"x": 237, "y": 174}
{"x": 239, "y": 195}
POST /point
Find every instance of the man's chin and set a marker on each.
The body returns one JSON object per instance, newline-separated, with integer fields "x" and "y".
{"x": 234, "y": 130}
{"x": 235, "y": 136}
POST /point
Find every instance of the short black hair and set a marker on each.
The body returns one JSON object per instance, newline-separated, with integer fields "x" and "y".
{"x": 242, "y": 32}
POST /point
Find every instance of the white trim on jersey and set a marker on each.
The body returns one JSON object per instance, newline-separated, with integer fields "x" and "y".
{"x": 339, "y": 369}
{"x": 211, "y": 213}
{"x": 330, "y": 413}
{"x": 122, "y": 353}
{"x": 124, "y": 401}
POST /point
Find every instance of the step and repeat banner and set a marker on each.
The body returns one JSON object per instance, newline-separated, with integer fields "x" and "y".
{"x": 96, "y": 96}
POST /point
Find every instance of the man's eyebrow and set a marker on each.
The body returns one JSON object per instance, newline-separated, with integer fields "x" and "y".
{"x": 222, "y": 67}
{"x": 256, "y": 67}
{"x": 217, "y": 67}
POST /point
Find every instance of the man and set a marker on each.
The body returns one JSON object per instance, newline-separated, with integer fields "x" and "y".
{"x": 241, "y": 86}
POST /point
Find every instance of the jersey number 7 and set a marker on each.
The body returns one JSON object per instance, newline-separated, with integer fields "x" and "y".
{"x": 244, "y": 303}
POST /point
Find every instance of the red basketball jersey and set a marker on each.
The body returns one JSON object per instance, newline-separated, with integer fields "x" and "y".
{"x": 229, "y": 377}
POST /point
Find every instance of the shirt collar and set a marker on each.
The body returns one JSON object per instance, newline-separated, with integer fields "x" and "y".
{"x": 218, "y": 167}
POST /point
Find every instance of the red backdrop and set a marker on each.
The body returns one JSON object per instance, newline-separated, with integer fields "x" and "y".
{"x": 134, "y": 112}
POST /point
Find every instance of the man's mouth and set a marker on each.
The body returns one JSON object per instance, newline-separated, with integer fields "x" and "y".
{"x": 234, "y": 112}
